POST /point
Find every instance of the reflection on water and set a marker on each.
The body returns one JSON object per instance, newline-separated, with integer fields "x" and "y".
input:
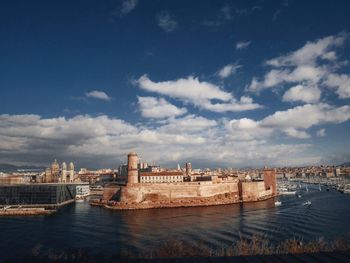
{"x": 81, "y": 226}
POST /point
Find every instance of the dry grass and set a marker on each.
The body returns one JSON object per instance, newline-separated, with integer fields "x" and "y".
{"x": 174, "y": 248}
{"x": 255, "y": 245}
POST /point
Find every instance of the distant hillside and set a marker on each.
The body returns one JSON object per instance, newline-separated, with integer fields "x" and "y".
{"x": 5, "y": 167}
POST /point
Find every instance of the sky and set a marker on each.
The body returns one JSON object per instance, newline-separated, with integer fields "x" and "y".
{"x": 214, "y": 83}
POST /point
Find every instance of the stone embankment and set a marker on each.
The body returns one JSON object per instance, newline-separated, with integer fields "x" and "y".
{"x": 26, "y": 211}
{"x": 169, "y": 204}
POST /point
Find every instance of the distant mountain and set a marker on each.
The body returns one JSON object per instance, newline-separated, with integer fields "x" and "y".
{"x": 347, "y": 164}
{"x": 5, "y": 167}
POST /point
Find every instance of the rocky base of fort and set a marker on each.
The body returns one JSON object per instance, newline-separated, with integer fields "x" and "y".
{"x": 211, "y": 201}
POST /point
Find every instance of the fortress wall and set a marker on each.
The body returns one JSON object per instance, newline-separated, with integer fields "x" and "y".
{"x": 165, "y": 192}
{"x": 253, "y": 191}
{"x": 270, "y": 180}
{"x": 110, "y": 191}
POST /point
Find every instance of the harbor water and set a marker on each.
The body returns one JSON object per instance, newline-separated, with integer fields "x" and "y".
{"x": 101, "y": 231}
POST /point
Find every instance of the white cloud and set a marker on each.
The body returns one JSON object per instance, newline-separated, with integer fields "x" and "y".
{"x": 228, "y": 70}
{"x": 293, "y": 122}
{"x": 321, "y": 132}
{"x": 97, "y": 94}
{"x": 310, "y": 52}
{"x": 200, "y": 94}
{"x": 158, "y": 108}
{"x": 292, "y": 132}
{"x": 128, "y": 6}
{"x": 247, "y": 130}
{"x": 341, "y": 83}
{"x": 302, "y": 93}
{"x": 308, "y": 115}
{"x": 275, "y": 77}
{"x": 188, "y": 124}
{"x": 166, "y": 21}
{"x": 185, "y": 88}
{"x": 104, "y": 141}
{"x": 242, "y": 44}
{"x": 311, "y": 65}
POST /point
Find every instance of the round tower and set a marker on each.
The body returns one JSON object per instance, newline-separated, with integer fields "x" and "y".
{"x": 132, "y": 168}
{"x": 188, "y": 169}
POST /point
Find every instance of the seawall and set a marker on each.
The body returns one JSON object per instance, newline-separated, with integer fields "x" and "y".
{"x": 186, "y": 194}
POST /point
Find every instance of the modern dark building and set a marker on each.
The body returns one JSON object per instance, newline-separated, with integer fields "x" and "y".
{"x": 37, "y": 195}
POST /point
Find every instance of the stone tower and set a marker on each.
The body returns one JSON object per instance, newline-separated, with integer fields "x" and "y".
{"x": 188, "y": 169}
{"x": 270, "y": 180}
{"x": 64, "y": 172}
{"x": 132, "y": 168}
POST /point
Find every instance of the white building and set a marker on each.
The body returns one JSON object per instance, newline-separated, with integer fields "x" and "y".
{"x": 82, "y": 190}
{"x": 161, "y": 177}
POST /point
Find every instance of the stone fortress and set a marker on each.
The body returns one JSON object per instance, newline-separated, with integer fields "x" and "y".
{"x": 148, "y": 188}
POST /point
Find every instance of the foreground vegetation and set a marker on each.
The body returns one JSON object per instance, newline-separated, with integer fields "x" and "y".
{"x": 173, "y": 248}
{"x": 255, "y": 245}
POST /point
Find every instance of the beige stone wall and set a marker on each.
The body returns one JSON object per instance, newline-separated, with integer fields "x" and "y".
{"x": 11, "y": 180}
{"x": 253, "y": 191}
{"x": 109, "y": 192}
{"x": 172, "y": 191}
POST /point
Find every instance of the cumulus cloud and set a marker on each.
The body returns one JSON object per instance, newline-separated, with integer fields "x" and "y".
{"x": 97, "y": 94}
{"x": 314, "y": 64}
{"x": 320, "y": 49}
{"x": 228, "y": 70}
{"x": 104, "y": 141}
{"x": 341, "y": 82}
{"x": 242, "y": 44}
{"x": 302, "y": 93}
{"x": 128, "y": 6}
{"x": 188, "y": 124}
{"x": 166, "y": 21}
{"x": 313, "y": 114}
{"x": 158, "y": 108}
{"x": 292, "y": 132}
{"x": 290, "y": 122}
{"x": 198, "y": 93}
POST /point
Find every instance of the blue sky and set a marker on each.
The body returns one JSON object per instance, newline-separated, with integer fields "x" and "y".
{"x": 217, "y": 83}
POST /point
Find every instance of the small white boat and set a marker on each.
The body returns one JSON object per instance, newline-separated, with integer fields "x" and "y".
{"x": 278, "y": 203}
{"x": 299, "y": 196}
{"x": 307, "y": 203}
{"x": 288, "y": 192}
